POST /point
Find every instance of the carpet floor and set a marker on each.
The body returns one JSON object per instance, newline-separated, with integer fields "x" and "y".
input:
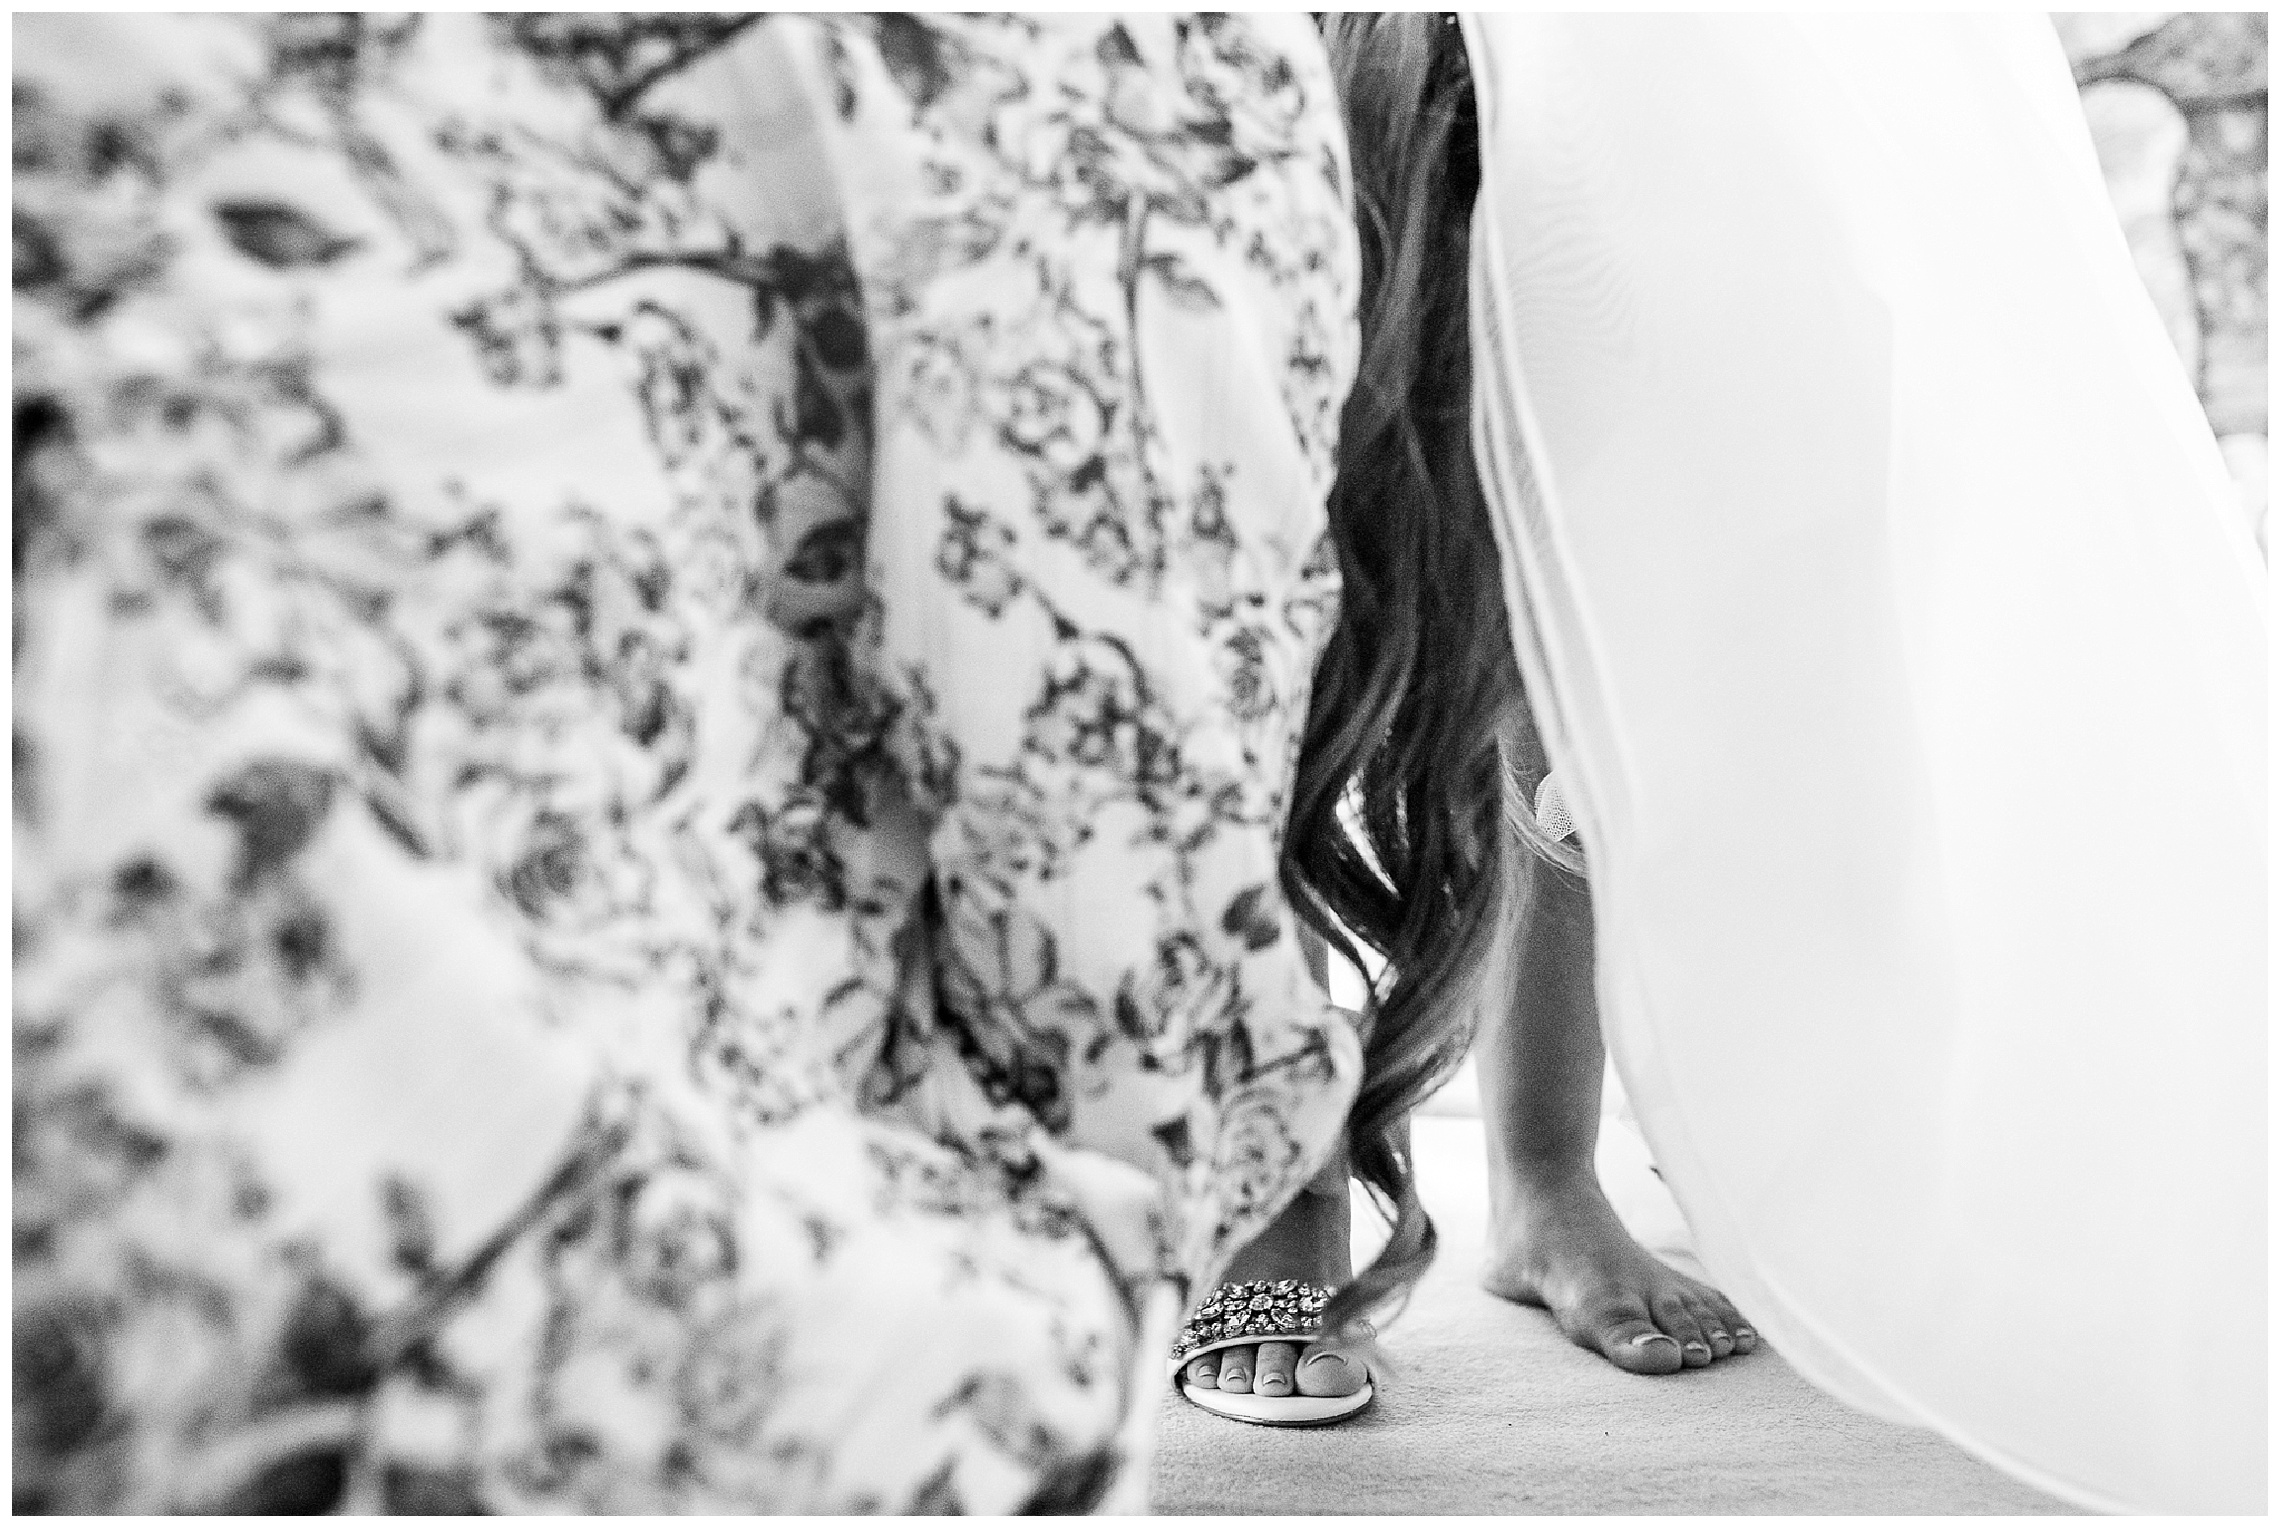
{"x": 1494, "y": 1412}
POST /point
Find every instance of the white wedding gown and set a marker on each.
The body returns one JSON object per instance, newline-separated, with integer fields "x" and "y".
{"x": 1882, "y": 600}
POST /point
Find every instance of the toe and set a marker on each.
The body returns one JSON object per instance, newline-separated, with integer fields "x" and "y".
{"x": 1325, "y": 1370}
{"x": 1674, "y": 1317}
{"x": 1731, "y": 1319}
{"x": 1713, "y": 1327}
{"x": 1203, "y": 1373}
{"x": 1235, "y": 1370}
{"x": 1633, "y": 1343}
{"x": 1273, "y": 1376}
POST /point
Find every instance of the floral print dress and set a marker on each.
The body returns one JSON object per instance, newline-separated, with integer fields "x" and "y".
{"x": 656, "y": 665}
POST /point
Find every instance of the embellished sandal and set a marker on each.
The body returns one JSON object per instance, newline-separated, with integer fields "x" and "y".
{"x": 1279, "y": 1310}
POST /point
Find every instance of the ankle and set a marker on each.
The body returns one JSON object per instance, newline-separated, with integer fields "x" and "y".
{"x": 1310, "y": 1240}
{"x": 1524, "y": 1177}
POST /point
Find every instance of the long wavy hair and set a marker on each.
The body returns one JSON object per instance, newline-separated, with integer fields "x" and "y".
{"x": 1402, "y": 831}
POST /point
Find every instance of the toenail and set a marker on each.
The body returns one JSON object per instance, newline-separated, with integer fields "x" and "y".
{"x": 1743, "y": 1331}
{"x": 1698, "y": 1347}
{"x": 1644, "y": 1338}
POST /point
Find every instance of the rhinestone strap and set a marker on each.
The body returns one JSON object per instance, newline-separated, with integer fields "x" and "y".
{"x": 1263, "y": 1310}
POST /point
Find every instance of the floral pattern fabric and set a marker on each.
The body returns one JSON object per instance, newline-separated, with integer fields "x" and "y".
{"x": 656, "y": 664}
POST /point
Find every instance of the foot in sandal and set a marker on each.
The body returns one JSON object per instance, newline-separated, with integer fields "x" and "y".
{"x": 1279, "y": 1284}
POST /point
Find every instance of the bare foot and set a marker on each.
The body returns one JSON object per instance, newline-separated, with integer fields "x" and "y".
{"x": 1554, "y": 1240}
{"x": 1308, "y": 1243}
{"x": 1558, "y": 1244}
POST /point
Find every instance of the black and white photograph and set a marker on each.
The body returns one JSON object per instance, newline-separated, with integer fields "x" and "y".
{"x": 1366, "y": 763}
